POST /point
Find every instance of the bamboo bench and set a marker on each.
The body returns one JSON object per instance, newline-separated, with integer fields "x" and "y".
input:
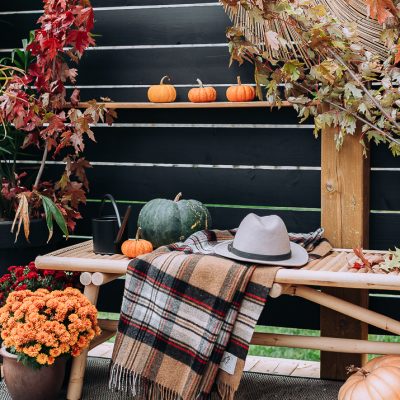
{"x": 334, "y": 270}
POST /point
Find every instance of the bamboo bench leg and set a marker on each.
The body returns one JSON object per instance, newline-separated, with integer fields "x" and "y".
{"x": 75, "y": 384}
{"x": 352, "y": 310}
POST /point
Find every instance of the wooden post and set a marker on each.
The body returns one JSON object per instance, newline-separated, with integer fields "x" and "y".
{"x": 345, "y": 217}
{"x": 75, "y": 384}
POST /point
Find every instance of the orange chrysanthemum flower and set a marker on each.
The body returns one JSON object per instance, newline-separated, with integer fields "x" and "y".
{"x": 42, "y": 358}
{"x": 44, "y": 325}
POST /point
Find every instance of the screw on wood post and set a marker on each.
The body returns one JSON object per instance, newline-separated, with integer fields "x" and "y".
{"x": 345, "y": 217}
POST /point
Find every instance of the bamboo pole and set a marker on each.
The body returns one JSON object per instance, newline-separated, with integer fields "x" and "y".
{"x": 338, "y": 279}
{"x": 108, "y": 266}
{"x": 79, "y": 363}
{"x": 85, "y": 278}
{"x": 351, "y": 346}
{"x": 99, "y": 278}
{"x": 347, "y": 308}
{"x": 278, "y": 290}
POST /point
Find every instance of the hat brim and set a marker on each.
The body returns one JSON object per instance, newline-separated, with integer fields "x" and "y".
{"x": 298, "y": 257}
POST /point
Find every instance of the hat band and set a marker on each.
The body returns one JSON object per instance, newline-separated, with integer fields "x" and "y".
{"x": 260, "y": 257}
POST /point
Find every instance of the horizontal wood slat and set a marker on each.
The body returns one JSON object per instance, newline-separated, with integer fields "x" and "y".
{"x": 159, "y": 26}
{"x": 205, "y": 146}
{"x": 222, "y": 217}
{"x": 384, "y": 227}
{"x": 385, "y": 194}
{"x": 257, "y": 115}
{"x": 226, "y": 186}
{"x": 184, "y": 65}
{"x": 384, "y": 231}
{"x": 186, "y": 104}
{"x": 6, "y": 5}
{"x": 382, "y": 157}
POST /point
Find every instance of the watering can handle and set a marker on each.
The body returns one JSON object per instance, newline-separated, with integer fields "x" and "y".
{"x": 114, "y": 204}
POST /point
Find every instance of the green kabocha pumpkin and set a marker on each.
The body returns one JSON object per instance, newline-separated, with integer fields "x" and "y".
{"x": 165, "y": 221}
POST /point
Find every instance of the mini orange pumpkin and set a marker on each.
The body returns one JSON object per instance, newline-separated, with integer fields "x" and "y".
{"x": 240, "y": 92}
{"x": 136, "y": 247}
{"x": 162, "y": 93}
{"x": 379, "y": 379}
{"x": 202, "y": 94}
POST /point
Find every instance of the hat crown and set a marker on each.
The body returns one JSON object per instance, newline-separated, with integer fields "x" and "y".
{"x": 262, "y": 235}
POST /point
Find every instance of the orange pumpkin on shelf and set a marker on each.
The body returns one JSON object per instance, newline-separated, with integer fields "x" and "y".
{"x": 136, "y": 247}
{"x": 162, "y": 93}
{"x": 240, "y": 92}
{"x": 378, "y": 379}
{"x": 202, "y": 94}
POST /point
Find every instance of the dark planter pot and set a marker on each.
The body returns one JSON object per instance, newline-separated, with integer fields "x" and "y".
{"x": 23, "y": 252}
{"x": 26, "y": 383}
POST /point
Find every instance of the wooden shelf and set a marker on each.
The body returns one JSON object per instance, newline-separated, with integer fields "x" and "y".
{"x": 221, "y": 104}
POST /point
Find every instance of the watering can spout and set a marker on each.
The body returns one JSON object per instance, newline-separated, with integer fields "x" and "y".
{"x": 123, "y": 228}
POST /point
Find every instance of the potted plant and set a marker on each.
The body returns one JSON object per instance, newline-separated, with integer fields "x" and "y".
{"x": 36, "y": 113}
{"x": 40, "y": 330}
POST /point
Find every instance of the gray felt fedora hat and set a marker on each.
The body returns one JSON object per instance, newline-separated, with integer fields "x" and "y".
{"x": 263, "y": 240}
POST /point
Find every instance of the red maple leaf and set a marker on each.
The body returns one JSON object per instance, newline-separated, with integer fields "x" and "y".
{"x": 56, "y": 124}
{"x": 75, "y": 97}
{"x": 78, "y": 168}
{"x": 74, "y": 194}
{"x": 52, "y": 46}
{"x": 85, "y": 17}
{"x": 80, "y": 40}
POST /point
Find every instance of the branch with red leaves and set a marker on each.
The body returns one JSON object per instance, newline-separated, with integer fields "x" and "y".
{"x": 63, "y": 36}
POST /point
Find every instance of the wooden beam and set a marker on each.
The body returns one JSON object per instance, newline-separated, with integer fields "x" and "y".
{"x": 219, "y": 104}
{"x": 345, "y": 217}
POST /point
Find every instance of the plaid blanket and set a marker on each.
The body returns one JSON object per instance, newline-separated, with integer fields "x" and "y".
{"x": 187, "y": 319}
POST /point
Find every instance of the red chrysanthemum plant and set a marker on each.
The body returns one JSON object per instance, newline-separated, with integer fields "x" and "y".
{"x": 33, "y": 103}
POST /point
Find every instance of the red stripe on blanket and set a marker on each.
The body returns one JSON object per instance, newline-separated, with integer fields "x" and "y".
{"x": 239, "y": 343}
{"x": 157, "y": 336}
{"x": 183, "y": 295}
{"x": 253, "y": 296}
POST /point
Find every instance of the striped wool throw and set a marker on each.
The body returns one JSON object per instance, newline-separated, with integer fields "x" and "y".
{"x": 187, "y": 319}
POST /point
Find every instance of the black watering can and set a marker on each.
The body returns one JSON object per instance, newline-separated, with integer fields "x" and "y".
{"x": 108, "y": 231}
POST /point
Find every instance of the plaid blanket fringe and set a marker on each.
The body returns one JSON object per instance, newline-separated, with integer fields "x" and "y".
{"x": 179, "y": 318}
{"x": 124, "y": 380}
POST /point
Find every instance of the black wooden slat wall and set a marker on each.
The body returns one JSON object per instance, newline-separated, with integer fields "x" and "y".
{"x": 236, "y": 161}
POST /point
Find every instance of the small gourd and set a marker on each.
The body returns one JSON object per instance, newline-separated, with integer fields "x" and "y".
{"x": 135, "y": 247}
{"x": 378, "y": 379}
{"x": 162, "y": 93}
{"x": 202, "y": 94}
{"x": 240, "y": 92}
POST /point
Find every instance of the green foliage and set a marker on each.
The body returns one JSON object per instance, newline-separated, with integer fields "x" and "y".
{"x": 53, "y": 212}
{"x": 21, "y": 58}
{"x": 392, "y": 261}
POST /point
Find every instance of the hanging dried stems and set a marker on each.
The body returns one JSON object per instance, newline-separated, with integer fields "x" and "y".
{"x": 309, "y": 57}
